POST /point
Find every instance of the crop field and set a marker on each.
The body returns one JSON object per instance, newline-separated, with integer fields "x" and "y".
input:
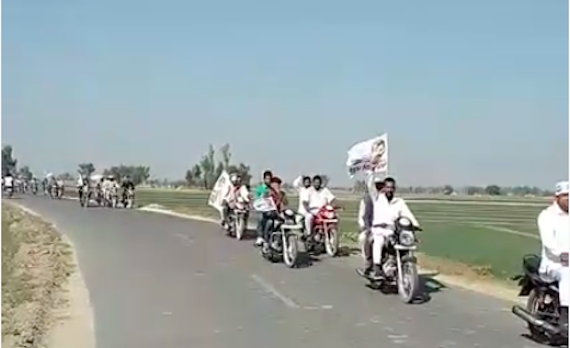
{"x": 490, "y": 236}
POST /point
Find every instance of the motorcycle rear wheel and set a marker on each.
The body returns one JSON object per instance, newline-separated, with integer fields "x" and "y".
{"x": 533, "y": 303}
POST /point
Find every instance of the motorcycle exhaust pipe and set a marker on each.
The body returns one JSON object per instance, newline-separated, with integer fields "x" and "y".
{"x": 531, "y": 319}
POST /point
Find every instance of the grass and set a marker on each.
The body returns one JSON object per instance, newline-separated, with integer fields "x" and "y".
{"x": 35, "y": 264}
{"x": 489, "y": 236}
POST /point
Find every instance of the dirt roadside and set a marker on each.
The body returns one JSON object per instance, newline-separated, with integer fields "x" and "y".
{"x": 44, "y": 300}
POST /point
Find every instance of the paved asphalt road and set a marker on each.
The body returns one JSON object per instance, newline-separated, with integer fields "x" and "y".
{"x": 157, "y": 281}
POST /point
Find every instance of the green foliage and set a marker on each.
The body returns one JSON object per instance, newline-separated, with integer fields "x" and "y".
{"x": 9, "y": 163}
{"x": 86, "y": 169}
{"x": 206, "y": 172}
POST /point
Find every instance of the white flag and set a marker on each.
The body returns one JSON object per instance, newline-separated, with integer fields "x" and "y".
{"x": 369, "y": 156}
{"x": 220, "y": 188}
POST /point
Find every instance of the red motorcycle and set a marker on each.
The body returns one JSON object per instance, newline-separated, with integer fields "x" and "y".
{"x": 324, "y": 235}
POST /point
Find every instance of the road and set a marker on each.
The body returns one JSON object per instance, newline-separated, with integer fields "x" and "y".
{"x": 160, "y": 281}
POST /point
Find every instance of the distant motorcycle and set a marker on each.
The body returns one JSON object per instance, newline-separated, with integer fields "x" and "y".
{"x": 129, "y": 200}
{"x": 542, "y": 312}
{"x": 113, "y": 198}
{"x": 237, "y": 219}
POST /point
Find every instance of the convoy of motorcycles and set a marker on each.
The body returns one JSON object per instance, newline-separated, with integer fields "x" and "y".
{"x": 286, "y": 235}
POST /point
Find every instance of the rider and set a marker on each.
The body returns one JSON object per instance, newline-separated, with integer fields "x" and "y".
{"x": 304, "y": 190}
{"x": 9, "y": 181}
{"x": 262, "y": 191}
{"x": 554, "y": 227}
{"x": 314, "y": 199}
{"x": 234, "y": 192}
{"x": 365, "y": 217}
{"x": 385, "y": 210}
{"x": 81, "y": 182}
{"x": 127, "y": 184}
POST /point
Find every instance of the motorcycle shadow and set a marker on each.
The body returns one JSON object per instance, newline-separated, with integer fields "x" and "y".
{"x": 428, "y": 284}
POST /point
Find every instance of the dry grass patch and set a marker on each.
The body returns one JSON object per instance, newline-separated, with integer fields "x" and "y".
{"x": 35, "y": 265}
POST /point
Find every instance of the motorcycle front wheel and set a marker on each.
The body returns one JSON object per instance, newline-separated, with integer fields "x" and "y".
{"x": 290, "y": 249}
{"x": 332, "y": 242}
{"x": 409, "y": 282}
{"x": 240, "y": 227}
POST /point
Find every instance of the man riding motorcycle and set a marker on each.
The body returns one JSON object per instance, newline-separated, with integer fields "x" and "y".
{"x": 313, "y": 200}
{"x": 235, "y": 191}
{"x": 303, "y": 191}
{"x": 108, "y": 185}
{"x": 385, "y": 209}
{"x": 263, "y": 191}
{"x": 127, "y": 185}
{"x": 8, "y": 182}
{"x": 365, "y": 212}
{"x": 82, "y": 186}
{"x": 554, "y": 227}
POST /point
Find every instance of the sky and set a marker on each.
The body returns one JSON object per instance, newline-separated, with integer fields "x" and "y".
{"x": 469, "y": 92}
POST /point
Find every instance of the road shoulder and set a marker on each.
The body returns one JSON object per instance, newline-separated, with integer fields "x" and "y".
{"x": 68, "y": 314}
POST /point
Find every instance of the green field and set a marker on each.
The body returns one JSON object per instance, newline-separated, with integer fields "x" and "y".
{"x": 490, "y": 235}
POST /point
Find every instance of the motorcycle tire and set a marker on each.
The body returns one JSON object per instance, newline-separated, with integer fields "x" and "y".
{"x": 411, "y": 278}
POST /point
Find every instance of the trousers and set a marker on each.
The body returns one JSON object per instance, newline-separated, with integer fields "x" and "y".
{"x": 378, "y": 238}
{"x": 562, "y": 275}
{"x": 308, "y": 217}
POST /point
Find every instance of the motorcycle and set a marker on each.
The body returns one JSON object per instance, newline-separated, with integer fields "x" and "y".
{"x": 399, "y": 263}
{"x": 113, "y": 198}
{"x": 283, "y": 242}
{"x": 34, "y": 189}
{"x": 542, "y": 312}
{"x": 84, "y": 196}
{"x": 324, "y": 236}
{"x": 9, "y": 191}
{"x": 237, "y": 219}
{"x": 129, "y": 199}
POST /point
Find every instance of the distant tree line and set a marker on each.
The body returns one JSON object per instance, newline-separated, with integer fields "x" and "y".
{"x": 205, "y": 173}
{"x": 489, "y": 190}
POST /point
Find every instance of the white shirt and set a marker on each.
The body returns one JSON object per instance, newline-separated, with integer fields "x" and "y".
{"x": 232, "y": 194}
{"x": 554, "y": 227}
{"x": 387, "y": 212}
{"x": 9, "y": 181}
{"x": 320, "y": 198}
{"x": 80, "y": 182}
{"x": 303, "y": 197}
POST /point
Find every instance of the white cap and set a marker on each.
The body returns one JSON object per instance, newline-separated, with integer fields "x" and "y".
{"x": 562, "y": 188}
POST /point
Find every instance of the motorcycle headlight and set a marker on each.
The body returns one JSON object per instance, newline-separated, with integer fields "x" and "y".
{"x": 404, "y": 222}
{"x": 329, "y": 214}
{"x": 407, "y": 238}
{"x": 289, "y": 213}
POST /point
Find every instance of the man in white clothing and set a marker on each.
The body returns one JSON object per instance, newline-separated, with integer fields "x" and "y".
{"x": 235, "y": 192}
{"x": 365, "y": 217}
{"x": 304, "y": 190}
{"x": 386, "y": 209}
{"x": 314, "y": 199}
{"x": 554, "y": 226}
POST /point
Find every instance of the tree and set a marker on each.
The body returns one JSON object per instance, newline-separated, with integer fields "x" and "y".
{"x": 189, "y": 178}
{"x": 226, "y": 155}
{"x": 65, "y": 177}
{"x": 196, "y": 173}
{"x": 86, "y": 169}
{"x": 8, "y": 162}
{"x": 493, "y": 190}
{"x": 326, "y": 179}
{"x": 448, "y": 189}
{"x": 25, "y": 173}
